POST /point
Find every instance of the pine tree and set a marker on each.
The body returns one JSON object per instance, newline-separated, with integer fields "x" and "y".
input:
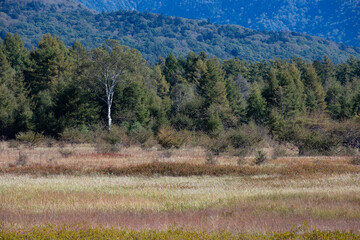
{"x": 74, "y": 106}
{"x": 16, "y": 53}
{"x": 236, "y": 100}
{"x": 173, "y": 71}
{"x": 333, "y": 95}
{"x": 15, "y": 112}
{"x": 50, "y": 63}
{"x": 256, "y": 108}
{"x": 314, "y": 91}
{"x": 162, "y": 86}
{"x": 212, "y": 84}
{"x": 79, "y": 57}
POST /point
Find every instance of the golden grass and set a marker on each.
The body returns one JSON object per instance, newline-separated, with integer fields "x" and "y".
{"x": 232, "y": 199}
{"x": 152, "y": 189}
{"x": 66, "y": 232}
{"x": 86, "y": 155}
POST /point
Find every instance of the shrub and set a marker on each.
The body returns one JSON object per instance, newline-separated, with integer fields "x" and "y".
{"x": 278, "y": 152}
{"x": 65, "y": 153}
{"x": 77, "y": 135}
{"x": 210, "y": 158}
{"x": 218, "y": 145}
{"x": 115, "y": 136}
{"x": 240, "y": 160}
{"x": 140, "y": 135}
{"x": 248, "y": 136}
{"x": 166, "y": 153}
{"x": 260, "y": 158}
{"x": 13, "y": 144}
{"x": 103, "y": 147}
{"x": 169, "y": 138}
{"x": 355, "y": 160}
{"x": 21, "y": 160}
{"x": 30, "y": 138}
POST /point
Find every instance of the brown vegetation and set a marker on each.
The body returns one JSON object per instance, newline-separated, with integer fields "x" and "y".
{"x": 182, "y": 169}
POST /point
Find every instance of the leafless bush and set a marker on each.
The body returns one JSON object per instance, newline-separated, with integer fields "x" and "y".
{"x": 166, "y": 153}
{"x": 21, "y": 160}
{"x": 211, "y": 158}
{"x": 103, "y": 147}
{"x": 65, "y": 153}
{"x": 355, "y": 160}
{"x": 14, "y": 144}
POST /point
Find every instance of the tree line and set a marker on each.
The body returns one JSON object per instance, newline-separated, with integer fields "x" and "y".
{"x": 51, "y": 88}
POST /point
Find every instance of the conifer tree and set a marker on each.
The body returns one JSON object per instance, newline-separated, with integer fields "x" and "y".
{"x": 256, "y": 107}
{"x": 16, "y": 53}
{"x": 162, "y": 86}
{"x": 173, "y": 70}
{"x": 15, "y": 112}
{"x": 50, "y": 62}
{"x": 315, "y": 100}
{"x": 333, "y": 95}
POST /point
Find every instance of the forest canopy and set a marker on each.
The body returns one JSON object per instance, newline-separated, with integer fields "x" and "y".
{"x": 52, "y": 89}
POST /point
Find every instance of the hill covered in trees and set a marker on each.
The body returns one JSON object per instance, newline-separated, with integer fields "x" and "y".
{"x": 157, "y": 35}
{"x": 70, "y": 93}
{"x": 331, "y": 19}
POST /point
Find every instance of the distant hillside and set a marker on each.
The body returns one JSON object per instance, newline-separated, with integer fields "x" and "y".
{"x": 332, "y": 19}
{"x": 157, "y": 35}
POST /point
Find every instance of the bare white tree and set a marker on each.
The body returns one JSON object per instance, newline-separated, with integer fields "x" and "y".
{"x": 109, "y": 64}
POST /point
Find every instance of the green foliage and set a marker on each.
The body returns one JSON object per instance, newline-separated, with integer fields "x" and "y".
{"x": 30, "y": 138}
{"x": 16, "y": 53}
{"x": 156, "y": 35}
{"x": 315, "y": 101}
{"x": 178, "y": 98}
{"x": 15, "y": 112}
{"x": 79, "y": 134}
{"x": 260, "y": 157}
{"x": 168, "y": 138}
{"x": 140, "y": 135}
{"x": 321, "y": 19}
{"x": 115, "y": 135}
{"x": 256, "y": 108}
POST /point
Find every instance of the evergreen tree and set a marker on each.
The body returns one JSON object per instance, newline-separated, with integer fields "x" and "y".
{"x": 50, "y": 62}
{"x": 162, "y": 86}
{"x": 74, "y": 106}
{"x": 236, "y": 100}
{"x": 173, "y": 70}
{"x": 333, "y": 95}
{"x": 212, "y": 84}
{"x": 315, "y": 95}
{"x": 16, "y": 53}
{"x": 256, "y": 107}
{"x": 15, "y": 112}
{"x": 79, "y": 57}
{"x": 356, "y": 103}
{"x": 134, "y": 105}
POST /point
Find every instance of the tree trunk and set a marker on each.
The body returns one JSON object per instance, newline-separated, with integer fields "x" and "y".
{"x": 109, "y": 116}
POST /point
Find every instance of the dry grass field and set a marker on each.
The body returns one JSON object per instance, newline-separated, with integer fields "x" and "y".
{"x": 283, "y": 194}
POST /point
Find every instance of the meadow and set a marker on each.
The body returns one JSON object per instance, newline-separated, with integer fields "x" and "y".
{"x": 156, "y": 194}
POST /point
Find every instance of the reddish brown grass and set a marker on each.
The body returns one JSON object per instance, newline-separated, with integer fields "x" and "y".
{"x": 182, "y": 169}
{"x": 231, "y": 219}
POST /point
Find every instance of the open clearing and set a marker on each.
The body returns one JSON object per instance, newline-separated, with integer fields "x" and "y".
{"x": 258, "y": 203}
{"x": 323, "y": 192}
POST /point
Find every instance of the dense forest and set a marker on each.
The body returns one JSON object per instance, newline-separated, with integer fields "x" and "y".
{"x": 157, "y": 35}
{"x": 70, "y": 93}
{"x": 331, "y": 19}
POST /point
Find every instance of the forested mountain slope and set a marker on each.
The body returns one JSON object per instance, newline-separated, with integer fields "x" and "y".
{"x": 332, "y": 19}
{"x": 157, "y": 35}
